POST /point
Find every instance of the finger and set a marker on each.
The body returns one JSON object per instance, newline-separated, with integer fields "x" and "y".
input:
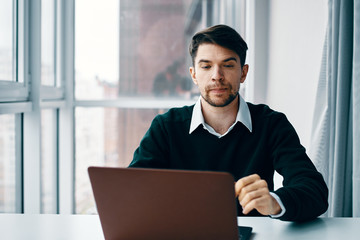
{"x": 265, "y": 205}
{"x": 253, "y": 195}
{"x": 259, "y": 184}
{"x": 261, "y": 204}
{"x": 250, "y": 206}
{"x": 242, "y": 182}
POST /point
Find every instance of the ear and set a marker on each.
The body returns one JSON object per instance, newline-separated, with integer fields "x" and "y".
{"x": 244, "y": 73}
{"x": 193, "y": 75}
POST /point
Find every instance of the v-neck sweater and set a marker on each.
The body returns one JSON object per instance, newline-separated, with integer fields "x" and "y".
{"x": 273, "y": 145}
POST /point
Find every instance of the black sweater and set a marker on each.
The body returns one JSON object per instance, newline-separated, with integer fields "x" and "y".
{"x": 272, "y": 145}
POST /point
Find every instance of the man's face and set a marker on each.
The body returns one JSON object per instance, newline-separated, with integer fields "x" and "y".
{"x": 218, "y": 74}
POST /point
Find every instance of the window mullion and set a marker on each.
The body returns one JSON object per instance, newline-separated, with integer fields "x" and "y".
{"x": 65, "y": 72}
{"x": 32, "y": 121}
{"x": 15, "y": 41}
{"x": 19, "y": 204}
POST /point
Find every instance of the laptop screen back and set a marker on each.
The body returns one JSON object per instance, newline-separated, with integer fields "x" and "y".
{"x": 164, "y": 204}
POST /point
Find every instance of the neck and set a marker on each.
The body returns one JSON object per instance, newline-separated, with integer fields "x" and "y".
{"x": 220, "y": 118}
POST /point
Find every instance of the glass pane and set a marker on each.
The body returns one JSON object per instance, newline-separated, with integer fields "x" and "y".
{"x": 49, "y": 175}
{"x": 109, "y": 139}
{"x": 7, "y": 164}
{"x": 48, "y": 47}
{"x": 6, "y": 40}
{"x": 133, "y": 48}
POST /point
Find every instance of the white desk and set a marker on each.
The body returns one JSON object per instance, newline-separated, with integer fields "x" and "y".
{"x": 50, "y": 227}
{"x": 318, "y": 229}
{"x": 68, "y": 227}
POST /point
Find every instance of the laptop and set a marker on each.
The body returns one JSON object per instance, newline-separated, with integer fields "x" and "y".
{"x": 135, "y": 203}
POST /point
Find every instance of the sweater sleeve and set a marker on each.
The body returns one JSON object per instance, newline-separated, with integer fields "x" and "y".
{"x": 153, "y": 150}
{"x": 304, "y": 192}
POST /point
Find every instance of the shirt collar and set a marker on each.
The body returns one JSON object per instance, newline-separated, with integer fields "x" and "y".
{"x": 243, "y": 116}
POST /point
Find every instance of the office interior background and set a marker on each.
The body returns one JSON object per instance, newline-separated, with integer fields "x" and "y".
{"x": 81, "y": 81}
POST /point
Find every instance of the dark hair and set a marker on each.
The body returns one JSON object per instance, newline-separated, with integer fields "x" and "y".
{"x": 222, "y": 35}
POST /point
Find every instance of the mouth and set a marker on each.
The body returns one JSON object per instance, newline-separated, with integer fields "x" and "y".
{"x": 217, "y": 90}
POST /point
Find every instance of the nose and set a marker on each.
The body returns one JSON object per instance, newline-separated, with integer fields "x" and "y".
{"x": 217, "y": 74}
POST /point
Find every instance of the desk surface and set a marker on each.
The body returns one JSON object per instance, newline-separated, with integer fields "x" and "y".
{"x": 39, "y": 227}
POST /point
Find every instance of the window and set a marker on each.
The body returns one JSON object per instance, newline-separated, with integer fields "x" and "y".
{"x": 12, "y": 87}
{"x": 105, "y": 137}
{"x": 10, "y": 165}
{"x": 136, "y": 54}
{"x": 7, "y": 43}
{"x": 50, "y": 51}
{"x": 51, "y": 97}
{"x": 49, "y": 161}
{"x": 48, "y": 42}
{"x": 12, "y": 91}
{"x": 92, "y": 73}
{"x": 131, "y": 63}
{"x": 29, "y": 61}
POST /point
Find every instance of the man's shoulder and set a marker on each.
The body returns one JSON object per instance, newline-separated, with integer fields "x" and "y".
{"x": 177, "y": 114}
{"x": 263, "y": 112}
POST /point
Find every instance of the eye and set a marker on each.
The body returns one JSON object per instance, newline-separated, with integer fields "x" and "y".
{"x": 206, "y": 67}
{"x": 228, "y": 65}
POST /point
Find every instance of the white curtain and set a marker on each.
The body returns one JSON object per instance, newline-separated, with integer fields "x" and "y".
{"x": 335, "y": 147}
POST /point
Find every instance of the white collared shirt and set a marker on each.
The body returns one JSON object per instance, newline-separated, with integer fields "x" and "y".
{"x": 243, "y": 116}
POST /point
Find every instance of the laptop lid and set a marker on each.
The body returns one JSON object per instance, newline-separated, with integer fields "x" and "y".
{"x": 138, "y": 203}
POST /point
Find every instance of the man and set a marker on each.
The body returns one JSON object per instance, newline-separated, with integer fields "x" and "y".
{"x": 222, "y": 132}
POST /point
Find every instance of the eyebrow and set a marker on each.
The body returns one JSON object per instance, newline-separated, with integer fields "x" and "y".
{"x": 230, "y": 59}
{"x": 225, "y": 60}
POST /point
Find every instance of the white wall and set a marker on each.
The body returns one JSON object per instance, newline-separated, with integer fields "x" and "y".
{"x": 296, "y": 35}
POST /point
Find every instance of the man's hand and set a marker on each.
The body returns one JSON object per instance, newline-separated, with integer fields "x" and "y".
{"x": 253, "y": 193}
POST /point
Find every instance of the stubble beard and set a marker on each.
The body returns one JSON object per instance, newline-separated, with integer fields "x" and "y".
{"x": 223, "y": 103}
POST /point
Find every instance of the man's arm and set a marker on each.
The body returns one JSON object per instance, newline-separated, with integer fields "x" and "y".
{"x": 153, "y": 150}
{"x": 304, "y": 192}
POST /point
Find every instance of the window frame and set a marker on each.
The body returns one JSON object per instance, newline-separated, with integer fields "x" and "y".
{"x": 18, "y": 203}
{"x": 139, "y": 102}
{"x": 26, "y": 97}
{"x": 57, "y": 91}
{"x": 53, "y": 164}
{"x": 14, "y": 95}
{"x": 16, "y": 89}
